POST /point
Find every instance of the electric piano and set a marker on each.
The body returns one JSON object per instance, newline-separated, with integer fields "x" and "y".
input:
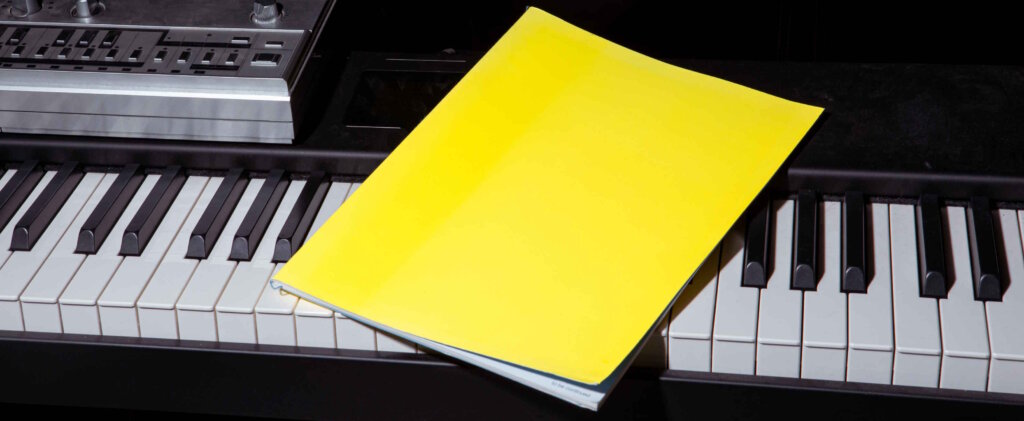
{"x": 146, "y": 202}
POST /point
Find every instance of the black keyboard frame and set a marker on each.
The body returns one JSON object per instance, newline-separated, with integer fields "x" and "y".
{"x": 298, "y": 382}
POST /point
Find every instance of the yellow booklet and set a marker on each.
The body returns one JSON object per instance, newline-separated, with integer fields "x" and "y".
{"x": 553, "y": 204}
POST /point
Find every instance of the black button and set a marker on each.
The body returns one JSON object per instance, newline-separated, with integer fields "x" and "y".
{"x": 86, "y": 38}
{"x": 63, "y": 37}
{"x": 208, "y": 57}
{"x": 17, "y": 51}
{"x": 134, "y": 56}
{"x": 41, "y": 52}
{"x": 232, "y": 58}
{"x": 64, "y": 53}
{"x": 184, "y": 56}
{"x": 87, "y": 55}
{"x": 160, "y": 56}
{"x": 110, "y": 39}
{"x": 111, "y": 55}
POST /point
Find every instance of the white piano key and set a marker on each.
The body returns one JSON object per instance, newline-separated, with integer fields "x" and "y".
{"x": 871, "y": 337}
{"x": 824, "y": 336}
{"x": 735, "y": 324}
{"x": 118, "y": 315}
{"x": 19, "y": 269}
{"x": 1006, "y": 373}
{"x": 236, "y": 308}
{"x": 915, "y": 319}
{"x": 79, "y": 312}
{"x": 275, "y": 320}
{"x": 157, "y": 316}
{"x": 275, "y": 311}
{"x": 314, "y": 325}
{"x": 965, "y": 353}
{"x": 196, "y": 318}
{"x": 351, "y": 334}
{"x": 692, "y": 318}
{"x": 779, "y": 312}
{"x": 39, "y": 300}
{"x": 390, "y": 343}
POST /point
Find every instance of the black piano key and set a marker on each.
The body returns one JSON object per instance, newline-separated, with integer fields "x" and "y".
{"x": 755, "y": 265}
{"x": 300, "y": 220}
{"x": 216, "y": 215}
{"x": 39, "y": 216}
{"x": 251, "y": 231}
{"x": 17, "y": 189}
{"x": 142, "y": 226}
{"x": 109, "y": 209}
{"x": 854, "y": 250}
{"x": 988, "y": 284}
{"x": 931, "y": 255}
{"x": 805, "y": 248}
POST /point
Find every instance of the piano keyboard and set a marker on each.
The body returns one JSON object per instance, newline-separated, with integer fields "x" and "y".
{"x": 941, "y": 306}
{"x": 166, "y": 255}
{"x": 921, "y": 294}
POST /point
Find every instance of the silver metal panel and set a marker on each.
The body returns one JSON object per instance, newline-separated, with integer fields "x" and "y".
{"x": 298, "y": 14}
{"x": 200, "y": 70}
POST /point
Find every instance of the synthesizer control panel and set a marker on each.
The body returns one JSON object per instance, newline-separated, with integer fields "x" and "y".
{"x": 226, "y": 70}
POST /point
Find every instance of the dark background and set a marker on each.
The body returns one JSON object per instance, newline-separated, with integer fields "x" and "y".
{"x": 821, "y": 31}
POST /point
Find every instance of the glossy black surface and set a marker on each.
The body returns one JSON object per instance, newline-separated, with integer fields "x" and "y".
{"x": 931, "y": 255}
{"x": 142, "y": 226}
{"x": 17, "y": 189}
{"x": 301, "y": 217}
{"x": 985, "y": 253}
{"x": 102, "y": 219}
{"x": 854, "y": 244}
{"x": 258, "y": 217}
{"x": 756, "y": 258}
{"x": 215, "y": 217}
{"x": 39, "y": 216}
{"x": 805, "y": 242}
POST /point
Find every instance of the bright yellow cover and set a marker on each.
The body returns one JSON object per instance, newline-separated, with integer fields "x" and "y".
{"x": 553, "y": 204}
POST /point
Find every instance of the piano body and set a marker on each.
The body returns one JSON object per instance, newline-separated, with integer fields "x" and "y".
{"x": 145, "y": 202}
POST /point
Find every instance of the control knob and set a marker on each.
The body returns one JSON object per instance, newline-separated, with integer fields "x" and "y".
{"x": 265, "y": 11}
{"x": 23, "y": 8}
